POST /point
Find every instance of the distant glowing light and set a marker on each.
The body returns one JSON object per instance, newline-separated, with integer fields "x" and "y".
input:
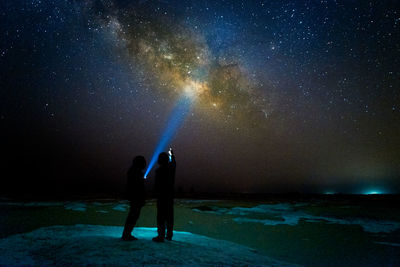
{"x": 329, "y": 193}
{"x": 373, "y": 193}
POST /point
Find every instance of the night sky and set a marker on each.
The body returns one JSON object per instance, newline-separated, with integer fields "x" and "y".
{"x": 284, "y": 96}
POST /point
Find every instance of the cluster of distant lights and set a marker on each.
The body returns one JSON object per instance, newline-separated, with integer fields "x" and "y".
{"x": 367, "y": 192}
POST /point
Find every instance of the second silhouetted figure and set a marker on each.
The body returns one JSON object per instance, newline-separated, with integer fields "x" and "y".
{"x": 164, "y": 187}
{"x": 136, "y": 195}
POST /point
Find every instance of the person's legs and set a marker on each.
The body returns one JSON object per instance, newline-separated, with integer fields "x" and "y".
{"x": 134, "y": 212}
{"x": 160, "y": 221}
{"x": 170, "y": 219}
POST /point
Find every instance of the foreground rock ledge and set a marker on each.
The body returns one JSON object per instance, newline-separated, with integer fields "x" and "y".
{"x": 101, "y": 245}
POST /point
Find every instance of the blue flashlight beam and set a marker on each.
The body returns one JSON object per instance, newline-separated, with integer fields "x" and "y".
{"x": 176, "y": 119}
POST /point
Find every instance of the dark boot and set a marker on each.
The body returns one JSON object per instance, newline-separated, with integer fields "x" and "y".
{"x": 169, "y": 234}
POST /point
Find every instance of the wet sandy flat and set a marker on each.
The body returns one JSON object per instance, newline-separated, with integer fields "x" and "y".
{"x": 305, "y": 233}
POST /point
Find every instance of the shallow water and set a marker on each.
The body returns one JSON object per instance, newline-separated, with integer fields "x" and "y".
{"x": 306, "y": 233}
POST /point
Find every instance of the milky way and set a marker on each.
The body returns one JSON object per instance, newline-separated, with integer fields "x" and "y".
{"x": 180, "y": 62}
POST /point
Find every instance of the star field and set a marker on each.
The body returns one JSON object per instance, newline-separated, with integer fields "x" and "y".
{"x": 288, "y": 95}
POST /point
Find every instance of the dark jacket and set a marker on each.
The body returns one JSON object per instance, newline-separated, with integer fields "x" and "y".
{"x": 136, "y": 191}
{"x": 165, "y": 180}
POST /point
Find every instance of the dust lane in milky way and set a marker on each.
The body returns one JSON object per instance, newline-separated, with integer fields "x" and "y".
{"x": 180, "y": 61}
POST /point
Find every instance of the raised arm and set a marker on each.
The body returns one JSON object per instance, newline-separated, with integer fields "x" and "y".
{"x": 172, "y": 162}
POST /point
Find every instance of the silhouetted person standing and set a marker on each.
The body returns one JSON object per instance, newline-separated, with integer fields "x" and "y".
{"x": 164, "y": 187}
{"x": 136, "y": 195}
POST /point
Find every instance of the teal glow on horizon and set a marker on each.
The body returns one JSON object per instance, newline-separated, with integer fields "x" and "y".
{"x": 373, "y": 192}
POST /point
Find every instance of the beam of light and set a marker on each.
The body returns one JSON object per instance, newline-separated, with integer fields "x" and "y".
{"x": 176, "y": 119}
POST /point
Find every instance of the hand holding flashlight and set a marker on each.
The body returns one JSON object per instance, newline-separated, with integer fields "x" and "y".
{"x": 170, "y": 154}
